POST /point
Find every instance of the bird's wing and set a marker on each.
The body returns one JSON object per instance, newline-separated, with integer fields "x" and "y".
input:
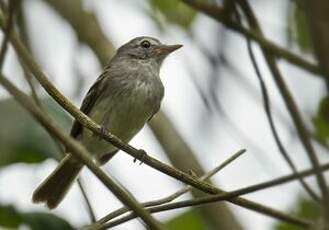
{"x": 154, "y": 112}
{"x": 157, "y": 108}
{"x": 89, "y": 101}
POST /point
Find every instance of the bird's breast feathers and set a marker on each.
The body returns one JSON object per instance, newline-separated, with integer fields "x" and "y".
{"x": 125, "y": 109}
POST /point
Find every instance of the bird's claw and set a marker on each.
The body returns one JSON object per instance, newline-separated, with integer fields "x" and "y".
{"x": 142, "y": 155}
{"x": 103, "y": 132}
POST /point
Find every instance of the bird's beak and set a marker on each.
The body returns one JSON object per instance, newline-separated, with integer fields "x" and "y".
{"x": 166, "y": 49}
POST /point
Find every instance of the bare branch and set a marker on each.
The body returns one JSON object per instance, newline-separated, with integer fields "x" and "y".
{"x": 222, "y": 197}
{"x": 87, "y": 201}
{"x": 292, "y": 108}
{"x": 218, "y": 14}
{"x": 268, "y": 112}
{"x": 7, "y": 31}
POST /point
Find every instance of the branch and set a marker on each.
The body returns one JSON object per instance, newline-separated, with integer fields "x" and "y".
{"x": 87, "y": 201}
{"x": 222, "y": 197}
{"x": 138, "y": 154}
{"x": 171, "y": 197}
{"x": 292, "y": 108}
{"x": 219, "y": 14}
{"x": 268, "y": 112}
{"x": 318, "y": 19}
{"x": 182, "y": 157}
{"x": 7, "y": 30}
{"x": 79, "y": 151}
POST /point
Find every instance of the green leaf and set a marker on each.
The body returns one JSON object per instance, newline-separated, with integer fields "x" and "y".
{"x": 299, "y": 28}
{"x": 172, "y": 11}
{"x": 190, "y": 220}
{"x": 9, "y": 217}
{"x": 22, "y": 139}
{"x": 12, "y": 218}
{"x": 321, "y": 121}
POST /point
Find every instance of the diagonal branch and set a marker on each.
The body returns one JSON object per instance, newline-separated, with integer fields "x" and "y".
{"x": 87, "y": 201}
{"x": 182, "y": 157}
{"x": 292, "y": 108}
{"x": 7, "y": 30}
{"x": 268, "y": 112}
{"x": 219, "y": 14}
{"x": 79, "y": 151}
{"x": 221, "y": 197}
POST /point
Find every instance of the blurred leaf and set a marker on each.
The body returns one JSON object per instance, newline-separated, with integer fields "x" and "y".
{"x": 9, "y": 217}
{"x": 12, "y": 218}
{"x": 190, "y": 220}
{"x": 321, "y": 120}
{"x": 307, "y": 209}
{"x": 22, "y": 139}
{"x": 299, "y": 29}
{"x": 172, "y": 11}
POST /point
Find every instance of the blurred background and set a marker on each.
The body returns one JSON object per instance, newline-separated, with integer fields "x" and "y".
{"x": 212, "y": 108}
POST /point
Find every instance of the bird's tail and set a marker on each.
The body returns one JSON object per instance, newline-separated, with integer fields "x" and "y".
{"x": 56, "y": 185}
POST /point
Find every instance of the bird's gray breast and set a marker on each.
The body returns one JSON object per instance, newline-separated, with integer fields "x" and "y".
{"x": 129, "y": 101}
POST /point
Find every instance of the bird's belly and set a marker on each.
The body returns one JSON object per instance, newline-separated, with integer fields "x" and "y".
{"x": 124, "y": 117}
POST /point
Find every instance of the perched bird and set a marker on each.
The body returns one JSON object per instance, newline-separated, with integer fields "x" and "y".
{"x": 125, "y": 96}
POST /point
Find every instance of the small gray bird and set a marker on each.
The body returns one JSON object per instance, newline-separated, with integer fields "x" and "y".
{"x": 125, "y": 96}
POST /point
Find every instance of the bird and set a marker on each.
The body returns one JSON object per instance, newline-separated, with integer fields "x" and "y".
{"x": 122, "y": 100}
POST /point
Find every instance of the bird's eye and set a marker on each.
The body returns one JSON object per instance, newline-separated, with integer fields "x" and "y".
{"x": 145, "y": 44}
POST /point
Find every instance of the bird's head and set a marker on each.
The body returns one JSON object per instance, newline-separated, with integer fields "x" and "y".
{"x": 147, "y": 48}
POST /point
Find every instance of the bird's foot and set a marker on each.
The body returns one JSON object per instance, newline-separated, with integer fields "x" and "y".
{"x": 142, "y": 155}
{"x": 103, "y": 132}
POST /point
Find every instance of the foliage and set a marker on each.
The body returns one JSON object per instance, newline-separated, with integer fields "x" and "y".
{"x": 299, "y": 28}
{"x": 321, "y": 121}
{"x": 22, "y": 140}
{"x": 188, "y": 220}
{"x": 11, "y": 218}
{"x": 172, "y": 11}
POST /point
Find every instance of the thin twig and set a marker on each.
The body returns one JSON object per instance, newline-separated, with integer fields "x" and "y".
{"x": 218, "y": 14}
{"x": 220, "y": 197}
{"x": 292, "y": 108}
{"x": 233, "y": 128}
{"x": 268, "y": 112}
{"x": 79, "y": 151}
{"x": 135, "y": 153}
{"x": 7, "y": 30}
{"x": 175, "y": 195}
{"x": 87, "y": 201}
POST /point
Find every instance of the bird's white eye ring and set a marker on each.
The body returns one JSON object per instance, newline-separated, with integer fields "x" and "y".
{"x": 145, "y": 44}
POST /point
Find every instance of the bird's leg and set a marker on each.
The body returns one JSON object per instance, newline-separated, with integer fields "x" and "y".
{"x": 107, "y": 156}
{"x": 103, "y": 132}
{"x": 142, "y": 155}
